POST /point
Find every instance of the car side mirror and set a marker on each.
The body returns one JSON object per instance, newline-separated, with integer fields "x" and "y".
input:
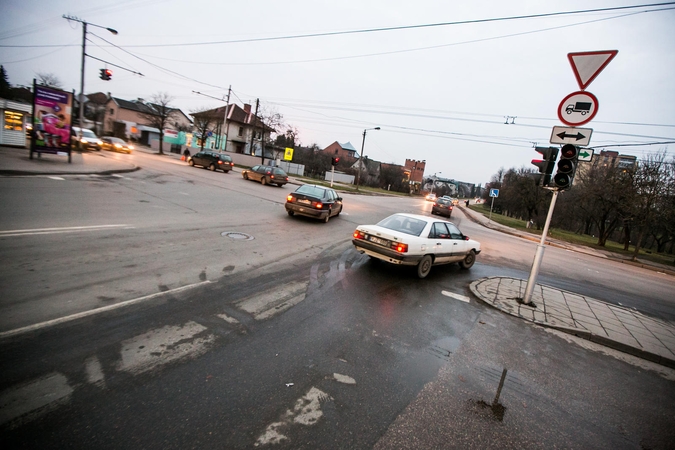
{"x": 466, "y": 238}
{"x": 339, "y": 199}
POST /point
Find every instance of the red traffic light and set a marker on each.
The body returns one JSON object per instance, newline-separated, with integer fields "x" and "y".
{"x": 106, "y": 74}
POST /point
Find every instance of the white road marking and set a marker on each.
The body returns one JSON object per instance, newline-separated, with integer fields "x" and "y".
{"x": 56, "y": 178}
{"x": 94, "y": 371}
{"x": 163, "y": 345}
{"x": 307, "y": 411}
{"x": 274, "y": 301}
{"x": 227, "y": 318}
{"x": 38, "y": 396}
{"x": 36, "y": 231}
{"x": 462, "y": 298}
{"x": 344, "y": 379}
{"x": 92, "y": 312}
{"x": 116, "y": 175}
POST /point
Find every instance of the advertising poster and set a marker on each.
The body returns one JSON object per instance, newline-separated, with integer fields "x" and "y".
{"x": 52, "y": 113}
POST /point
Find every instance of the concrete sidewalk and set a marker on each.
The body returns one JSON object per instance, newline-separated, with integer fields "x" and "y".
{"x": 614, "y": 326}
{"x": 16, "y": 162}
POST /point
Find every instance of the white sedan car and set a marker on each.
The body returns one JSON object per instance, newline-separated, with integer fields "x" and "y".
{"x": 415, "y": 240}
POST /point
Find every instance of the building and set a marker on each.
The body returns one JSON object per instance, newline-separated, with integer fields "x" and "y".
{"x": 241, "y": 132}
{"x": 346, "y": 151}
{"x": 14, "y": 118}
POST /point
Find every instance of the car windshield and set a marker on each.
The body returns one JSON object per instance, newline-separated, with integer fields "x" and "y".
{"x": 403, "y": 224}
{"x": 312, "y": 191}
{"x": 88, "y": 134}
{"x": 117, "y": 141}
{"x": 443, "y": 201}
{"x": 225, "y": 158}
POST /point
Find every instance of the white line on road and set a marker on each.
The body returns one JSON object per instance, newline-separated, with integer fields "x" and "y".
{"x": 461, "y": 298}
{"x": 60, "y": 230}
{"x": 92, "y": 312}
{"x": 56, "y": 178}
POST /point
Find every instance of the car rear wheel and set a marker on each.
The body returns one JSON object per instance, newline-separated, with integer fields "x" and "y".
{"x": 468, "y": 260}
{"x": 191, "y": 162}
{"x": 290, "y": 213}
{"x": 263, "y": 181}
{"x": 424, "y": 266}
{"x": 245, "y": 175}
{"x": 212, "y": 167}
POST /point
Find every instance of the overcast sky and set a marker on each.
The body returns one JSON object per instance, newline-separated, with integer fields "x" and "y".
{"x": 439, "y": 93}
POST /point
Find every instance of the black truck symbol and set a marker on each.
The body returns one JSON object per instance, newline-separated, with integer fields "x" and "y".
{"x": 582, "y": 107}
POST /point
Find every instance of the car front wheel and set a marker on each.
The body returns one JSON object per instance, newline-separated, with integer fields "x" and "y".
{"x": 191, "y": 162}
{"x": 245, "y": 175}
{"x": 468, "y": 260}
{"x": 212, "y": 167}
{"x": 290, "y": 213}
{"x": 424, "y": 266}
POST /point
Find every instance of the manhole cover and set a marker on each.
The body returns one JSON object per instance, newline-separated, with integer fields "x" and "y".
{"x": 237, "y": 235}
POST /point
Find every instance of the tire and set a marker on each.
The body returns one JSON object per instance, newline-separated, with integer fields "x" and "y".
{"x": 191, "y": 163}
{"x": 468, "y": 260}
{"x": 424, "y": 266}
{"x": 263, "y": 181}
{"x": 225, "y": 171}
{"x": 212, "y": 167}
{"x": 290, "y": 213}
{"x": 280, "y": 184}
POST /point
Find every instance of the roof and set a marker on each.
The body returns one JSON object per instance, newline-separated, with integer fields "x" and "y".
{"x": 347, "y": 146}
{"x": 234, "y": 114}
{"x": 142, "y": 106}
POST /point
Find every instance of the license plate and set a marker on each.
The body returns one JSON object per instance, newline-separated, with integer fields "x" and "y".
{"x": 378, "y": 241}
{"x": 306, "y": 202}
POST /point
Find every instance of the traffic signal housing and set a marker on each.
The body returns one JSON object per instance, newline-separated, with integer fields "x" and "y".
{"x": 567, "y": 166}
{"x": 106, "y": 74}
{"x": 545, "y": 165}
{"x": 334, "y": 161}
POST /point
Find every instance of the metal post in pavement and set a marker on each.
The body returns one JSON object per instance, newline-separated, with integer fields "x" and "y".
{"x": 539, "y": 255}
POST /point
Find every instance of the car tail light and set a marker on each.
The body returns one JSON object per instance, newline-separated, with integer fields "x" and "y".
{"x": 290, "y": 198}
{"x": 231, "y": 164}
{"x": 359, "y": 234}
{"x": 399, "y": 247}
{"x": 272, "y": 177}
{"x": 317, "y": 205}
{"x": 220, "y": 162}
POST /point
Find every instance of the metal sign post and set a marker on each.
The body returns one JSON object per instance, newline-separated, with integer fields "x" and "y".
{"x": 539, "y": 255}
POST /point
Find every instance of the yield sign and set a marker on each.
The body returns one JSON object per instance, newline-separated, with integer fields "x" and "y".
{"x": 588, "y": 65}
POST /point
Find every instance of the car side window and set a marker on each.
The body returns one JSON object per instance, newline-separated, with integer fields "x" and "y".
{"x": 454, "y": 232}
{"x": 439, "y": 231}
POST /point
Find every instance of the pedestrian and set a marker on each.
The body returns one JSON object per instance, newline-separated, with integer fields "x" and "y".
{"x": 467, "y": 203}
{"x": 186, "y": 154}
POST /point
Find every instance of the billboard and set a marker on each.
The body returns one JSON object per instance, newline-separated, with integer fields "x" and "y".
{"x": 52, "y": 117}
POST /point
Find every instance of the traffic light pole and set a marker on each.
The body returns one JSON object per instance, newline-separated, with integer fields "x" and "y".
{"x": 539, "y": 255}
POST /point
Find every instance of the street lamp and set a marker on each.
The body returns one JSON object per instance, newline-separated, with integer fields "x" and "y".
{"x": 84, "y": 47}
{"x": 363, "y": 143}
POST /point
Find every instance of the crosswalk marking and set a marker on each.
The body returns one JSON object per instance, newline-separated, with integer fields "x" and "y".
{"x": 461, "y": 298}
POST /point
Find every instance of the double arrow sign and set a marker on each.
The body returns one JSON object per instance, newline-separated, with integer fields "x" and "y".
{"x": 571, "y": 135}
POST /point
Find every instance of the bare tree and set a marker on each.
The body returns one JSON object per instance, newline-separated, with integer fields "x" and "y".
{"x": 205, "y": 119}
{"x": 159, "y": 113}
{"x": 49, "y": 80}
{"x": 271, "y": 122}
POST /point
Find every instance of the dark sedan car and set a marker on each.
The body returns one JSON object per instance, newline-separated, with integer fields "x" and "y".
{"x": 212, "y": 161}
{"x": 442, "y": 207}
{"x": 314, "y": 201}
{"x": 266, "y": 175}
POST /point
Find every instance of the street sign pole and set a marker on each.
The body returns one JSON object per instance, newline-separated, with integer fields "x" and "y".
{"x": 539, "y": 255}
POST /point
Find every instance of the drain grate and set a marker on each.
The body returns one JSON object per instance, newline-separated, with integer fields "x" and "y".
{"x": 237, "y": 235}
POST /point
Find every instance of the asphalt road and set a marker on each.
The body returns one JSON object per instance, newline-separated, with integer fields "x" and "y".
{"x": 290, "y": 339}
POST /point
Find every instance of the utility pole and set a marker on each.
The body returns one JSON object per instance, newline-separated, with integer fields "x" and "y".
{"x": 227, "y": 106}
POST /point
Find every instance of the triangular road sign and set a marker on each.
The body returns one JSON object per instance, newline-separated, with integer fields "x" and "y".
{"x": 588, "y": 65}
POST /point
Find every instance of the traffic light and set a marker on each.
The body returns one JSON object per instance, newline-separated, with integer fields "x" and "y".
{"x": 546, "y": 165}
{"x": 567, "y": 166}
{"x": 334, "y": 161}
{"x": 106, "y": 74}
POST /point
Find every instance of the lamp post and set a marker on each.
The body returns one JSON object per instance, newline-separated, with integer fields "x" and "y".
{"x": 84, "y": 47}
{"x": 363, "y": 143}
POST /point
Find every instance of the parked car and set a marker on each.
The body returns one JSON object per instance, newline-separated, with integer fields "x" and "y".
{"x": 266, "y": 175}
{"x": 430, "y": 197}
{"x": 442, "y": 207}
{"x": 115, "y": 144}
{"x": 212, "y": 161}
{"x": 314, "y": 201}
{"x": 416, "y": 240}
{"x": 89, "y": 140}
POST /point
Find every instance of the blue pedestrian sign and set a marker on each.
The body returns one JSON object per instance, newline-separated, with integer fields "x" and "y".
{"x": 494, "y": 192}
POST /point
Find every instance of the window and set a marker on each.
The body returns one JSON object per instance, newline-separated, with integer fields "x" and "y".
{"x": 439, "y": 231}
{"x": 13, "y": 121}
{"x": 112, "y": 111}
{"x": 241, "y": 131}
{"x": 212, "y": 144}
{"x": 454, "y": 232}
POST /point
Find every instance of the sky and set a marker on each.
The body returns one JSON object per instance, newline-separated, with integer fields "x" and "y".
{"x": 470, "y": 87}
